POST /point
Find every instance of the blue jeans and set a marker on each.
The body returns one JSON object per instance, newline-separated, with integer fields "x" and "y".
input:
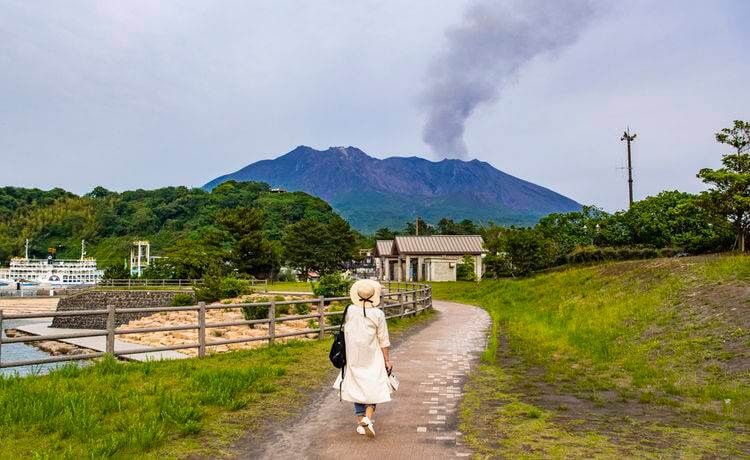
{"x": 359, "y": 409}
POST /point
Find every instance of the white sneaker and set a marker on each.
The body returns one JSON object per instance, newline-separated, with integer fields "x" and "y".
{"x": 361, "y": 430}
{"x": 366, "y": 423}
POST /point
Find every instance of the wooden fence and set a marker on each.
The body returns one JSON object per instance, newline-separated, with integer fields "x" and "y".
{"x": 401, "y": 299}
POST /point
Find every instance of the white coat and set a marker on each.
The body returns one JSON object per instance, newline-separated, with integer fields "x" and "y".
{"x": 365, "y": 377}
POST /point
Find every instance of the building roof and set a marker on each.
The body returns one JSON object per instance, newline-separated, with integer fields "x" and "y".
{"x": 439, "y": 244}
{"x": 384, "y": 247}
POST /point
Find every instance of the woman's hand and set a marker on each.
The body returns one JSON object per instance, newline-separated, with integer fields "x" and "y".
{"x": 388, "y": 366}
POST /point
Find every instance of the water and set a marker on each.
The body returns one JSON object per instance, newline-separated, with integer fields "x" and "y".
{"x": 21, "y": 351}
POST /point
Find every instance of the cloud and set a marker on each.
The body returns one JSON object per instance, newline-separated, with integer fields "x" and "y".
{"x": 485, "y": 53}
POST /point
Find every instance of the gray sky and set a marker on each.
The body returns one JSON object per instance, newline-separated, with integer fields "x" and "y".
{"x": 146, "y": 94}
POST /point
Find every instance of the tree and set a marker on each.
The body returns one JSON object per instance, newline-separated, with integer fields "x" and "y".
{"x": 424, "y": 228}
{"x": 192, "y": 256}
{"x": 116, "y": 272}
{"x": 159, "y": 269}
{"x": 250, "y": 252}
{"x": 465, "y": 270}
{"x": 323, "y": 247}
{"x": 384, "y": 233}
{"x": 729, "y": 196}
{"x": 448, "y": 227}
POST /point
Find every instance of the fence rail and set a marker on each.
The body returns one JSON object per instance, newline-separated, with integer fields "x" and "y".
{"x": 402, "y": 299}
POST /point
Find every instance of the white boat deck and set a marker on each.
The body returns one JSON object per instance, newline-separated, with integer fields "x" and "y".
{"x": 100, "y": 343}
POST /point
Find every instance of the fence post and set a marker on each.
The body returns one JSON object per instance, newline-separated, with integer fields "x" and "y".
{"x": 110, "y": 348}
{"x": 401, "y": 301}
{"x": 1, "y": 335}
{"x": 321, "y": 318}
{"x": 414, "y": 302}
{"x": 272, "y": 322}
{"x": 201, "y": 329}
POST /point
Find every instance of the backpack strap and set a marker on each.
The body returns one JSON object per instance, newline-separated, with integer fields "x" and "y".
{"x": 343, "y": 368}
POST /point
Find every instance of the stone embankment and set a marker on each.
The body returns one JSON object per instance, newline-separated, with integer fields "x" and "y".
{"x": 98, "y": 300}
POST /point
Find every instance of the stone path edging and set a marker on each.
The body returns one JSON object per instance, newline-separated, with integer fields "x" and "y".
{"x": 422, "y": 420}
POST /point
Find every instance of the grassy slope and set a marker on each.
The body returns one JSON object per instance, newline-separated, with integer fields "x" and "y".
{"x": 637, "y": 358}
{"x": 160, "y": 409}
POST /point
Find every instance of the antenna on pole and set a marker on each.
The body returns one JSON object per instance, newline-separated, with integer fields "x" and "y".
{"x": 629, "y": 138}
{"x": 416, "y": 226}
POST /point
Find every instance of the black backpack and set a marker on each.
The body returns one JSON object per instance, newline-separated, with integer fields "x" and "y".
{"x": 337, "y": 354}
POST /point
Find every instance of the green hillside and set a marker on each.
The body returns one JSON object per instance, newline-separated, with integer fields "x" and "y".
{"x": 646, "y": 358}
{"x": 110, "y": 221}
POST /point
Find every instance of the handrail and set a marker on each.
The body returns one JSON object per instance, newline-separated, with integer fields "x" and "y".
{"x": 411, "y": 298}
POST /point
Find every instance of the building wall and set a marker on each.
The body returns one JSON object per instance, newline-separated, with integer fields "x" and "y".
{"x": 441, "y": 270}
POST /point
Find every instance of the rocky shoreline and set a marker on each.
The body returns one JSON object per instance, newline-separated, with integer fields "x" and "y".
{"x": 52, "y": 347}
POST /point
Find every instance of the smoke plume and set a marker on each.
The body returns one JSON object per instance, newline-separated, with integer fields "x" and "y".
{"x": 484, "y": 53}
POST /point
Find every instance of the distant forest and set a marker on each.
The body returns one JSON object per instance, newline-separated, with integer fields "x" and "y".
{"x": 178, "y": 221}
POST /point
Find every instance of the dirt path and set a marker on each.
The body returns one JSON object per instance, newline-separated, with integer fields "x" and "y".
{"x": 420, "y": 422}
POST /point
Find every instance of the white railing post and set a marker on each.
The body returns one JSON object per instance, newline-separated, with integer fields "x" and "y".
{"x": 110, "y": 347}
{"x": 201, "y": 329}
{"x": 321, "y": 317}
{"x": 272, "y": 323}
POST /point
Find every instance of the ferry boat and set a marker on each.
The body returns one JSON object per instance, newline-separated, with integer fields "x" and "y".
{"x": 56, "y": 272}
{"x": 51, "y": 271}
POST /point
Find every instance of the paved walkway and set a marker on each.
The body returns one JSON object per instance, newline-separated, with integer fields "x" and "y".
{"x": 421, "y": 421}
{"x": 100, "y": 343}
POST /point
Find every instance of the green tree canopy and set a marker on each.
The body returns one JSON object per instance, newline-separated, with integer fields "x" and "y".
{"x": 729, "y": 196}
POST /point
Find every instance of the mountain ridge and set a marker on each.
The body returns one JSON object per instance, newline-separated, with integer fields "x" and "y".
{"x": 373, "y": 193}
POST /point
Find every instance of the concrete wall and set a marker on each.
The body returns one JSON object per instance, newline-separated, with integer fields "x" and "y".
{"x": 98, "y": 300}
{"x": 440, "y": 269}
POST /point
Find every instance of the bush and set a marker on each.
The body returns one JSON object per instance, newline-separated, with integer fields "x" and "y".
{"x": 583, "y": 254}
{"x": 183, "y": 299}
{"x": 465, "y": 270}
{"x": 302, "y": 308}
{"x": 337, "y": 319}
{"x": 334, "y": 284}
{"x": 217, "y": 287}
{"x": 251, "y": 311}
{"x": 286, "y": 275}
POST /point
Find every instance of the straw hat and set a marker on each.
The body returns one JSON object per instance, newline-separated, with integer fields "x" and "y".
{"x": 365, "y": 293}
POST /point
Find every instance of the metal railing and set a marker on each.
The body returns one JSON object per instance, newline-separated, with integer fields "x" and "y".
{"x": 402, "y": 299}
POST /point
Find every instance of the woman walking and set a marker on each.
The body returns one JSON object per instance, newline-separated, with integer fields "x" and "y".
{"x": 364, "y": 379}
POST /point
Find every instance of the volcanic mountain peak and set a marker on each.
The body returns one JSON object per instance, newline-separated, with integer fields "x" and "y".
{"x": 373, "y": 192}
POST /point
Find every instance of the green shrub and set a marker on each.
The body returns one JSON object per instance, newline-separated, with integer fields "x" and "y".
{"x": 283, "y": 309}
{"x": 302, "y": 308}
{"x": 216, "y": 287}
{"x": 335, "y": 284}
{"x": 251, "y": 311}
{"x": 183, "y": 299}
{"x": 465, "y": 270}
{"x": 335, "y": 320}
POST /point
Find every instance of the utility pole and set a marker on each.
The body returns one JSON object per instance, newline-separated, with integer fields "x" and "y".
{"x": 416, "y": 226}
{"x": 629, "y": 138}
{"x": 27, "y": 249}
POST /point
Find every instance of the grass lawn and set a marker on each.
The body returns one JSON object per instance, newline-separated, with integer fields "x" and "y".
{"x": 644, "y": 358}
{"x": 291, "y": 286}
{"x": 161, "y": 409}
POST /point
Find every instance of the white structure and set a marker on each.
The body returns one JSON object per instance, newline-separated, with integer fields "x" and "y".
{"x": 140, "y": 257}
{"x": 51, "y": 271}
{"x": 427, "y": 258}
